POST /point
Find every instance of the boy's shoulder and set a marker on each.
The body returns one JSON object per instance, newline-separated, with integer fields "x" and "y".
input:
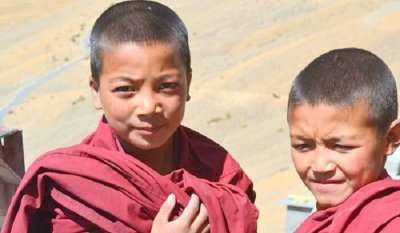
{"x": 207, "y": 151}
{"x": 207, "y": 159}
{"x": 200, "y": 141}
{"x": 373, "y": 208}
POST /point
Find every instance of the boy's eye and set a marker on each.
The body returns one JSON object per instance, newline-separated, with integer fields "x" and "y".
{"x": 124, "y": 89}
{"x": 168, "y": 86}
{"x": 303, "y": 147}
{"x": 342, "y": 148}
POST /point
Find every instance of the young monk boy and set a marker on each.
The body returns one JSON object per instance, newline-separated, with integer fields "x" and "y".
{"x": 141, "y": 170}
{"x": 342, "y": 112}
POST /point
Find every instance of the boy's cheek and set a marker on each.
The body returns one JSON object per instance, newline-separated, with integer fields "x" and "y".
{"x": 300, "y": 165}
{"x": 298, "y": 159}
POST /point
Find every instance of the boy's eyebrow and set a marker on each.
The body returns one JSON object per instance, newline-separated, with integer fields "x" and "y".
{"x": 333, "y": 138}
{"x": 132, "y": 78}
{"x": 341, "y": 137}
{"x": 169, "y": 72}
{"x": 299, "y": 137}
{"x": 124, "y": 78}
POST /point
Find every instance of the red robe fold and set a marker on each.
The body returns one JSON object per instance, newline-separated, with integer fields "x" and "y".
{"x": 96, "y": 187}
{"x": 375, "y": 208}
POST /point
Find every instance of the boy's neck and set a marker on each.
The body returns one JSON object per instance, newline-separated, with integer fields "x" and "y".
{"x": 160, "y": 159}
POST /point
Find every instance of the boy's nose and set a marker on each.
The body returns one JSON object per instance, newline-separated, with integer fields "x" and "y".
{"x": 147, "y": 104}
{"x": 322, "y": 163}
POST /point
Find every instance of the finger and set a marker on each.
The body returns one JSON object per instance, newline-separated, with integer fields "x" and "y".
{"x": 206, "y": 229}
{"x": 201, "y": 220}
{"x": 191, "y": 210}
{"x": 166, "y": 209}
{"x": 1, "y": 151}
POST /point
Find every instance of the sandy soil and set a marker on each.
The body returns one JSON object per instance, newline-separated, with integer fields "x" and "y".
{"x": 245, "y": 54}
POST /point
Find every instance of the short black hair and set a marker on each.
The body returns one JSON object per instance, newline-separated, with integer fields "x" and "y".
{"x": 343, "y": 77}
{"x": 138, "y": 21}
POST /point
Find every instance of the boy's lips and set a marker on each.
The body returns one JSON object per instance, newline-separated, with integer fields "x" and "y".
{"x": 327, "y": 181}
{"x": 149, "y": 129}
{"x": 326, "y": 186}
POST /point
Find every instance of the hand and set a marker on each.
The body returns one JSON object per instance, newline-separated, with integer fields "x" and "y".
{"x": 194, "y": 218}
{"x": 2, "y": 155}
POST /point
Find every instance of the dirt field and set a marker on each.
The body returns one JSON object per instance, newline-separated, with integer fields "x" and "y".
{"x": 245, "y": 54}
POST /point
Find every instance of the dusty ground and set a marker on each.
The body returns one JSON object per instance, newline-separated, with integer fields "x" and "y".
{"x": 245, "y": 54}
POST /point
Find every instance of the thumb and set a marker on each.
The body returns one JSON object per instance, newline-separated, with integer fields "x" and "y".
{"x": 166, "y": 209}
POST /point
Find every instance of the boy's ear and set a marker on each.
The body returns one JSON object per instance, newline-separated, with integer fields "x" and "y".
{"x": 393, "y": 137}
{"x": 188, "y": 81}
{"x": 94, "y": 87}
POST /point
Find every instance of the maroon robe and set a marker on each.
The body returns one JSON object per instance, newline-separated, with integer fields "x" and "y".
{"x": 96, "y": 187}
{"x": 373, "y": 208}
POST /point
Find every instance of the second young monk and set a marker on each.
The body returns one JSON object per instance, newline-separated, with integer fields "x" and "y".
{"x": 140, "y": 170}
{"x": 342, "y": 114}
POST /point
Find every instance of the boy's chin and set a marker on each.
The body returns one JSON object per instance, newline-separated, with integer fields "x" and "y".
{"x": 148, "y": 145}
{"x": 328, "y": 202}
{"x": 145, "y": 144}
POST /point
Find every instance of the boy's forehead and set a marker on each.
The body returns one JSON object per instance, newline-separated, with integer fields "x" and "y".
{"x": 304, "y": 109}
{"x": 360, "y": 105}
{"x": 356, "y": 115}
{"x": 106, "y": 44}
{"x": 136, "y": 59}
{"x": 112, "y": 47}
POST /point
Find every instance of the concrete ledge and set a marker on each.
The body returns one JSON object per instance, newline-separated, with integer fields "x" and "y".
{"x": 298, "y": 208}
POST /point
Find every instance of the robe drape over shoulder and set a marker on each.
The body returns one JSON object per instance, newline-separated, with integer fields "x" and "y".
{"x": 375, "y": 208}
{"x": 96, "y": 187}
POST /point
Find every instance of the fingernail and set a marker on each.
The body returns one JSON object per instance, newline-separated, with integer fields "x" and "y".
{"x": 171, "y": 197}
{"x": 194, "y": 196}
